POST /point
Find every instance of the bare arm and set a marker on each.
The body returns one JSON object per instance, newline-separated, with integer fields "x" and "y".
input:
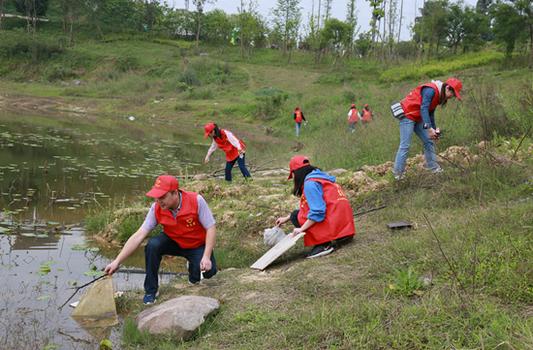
{"x": 131, "y": 245}
{"x": 205, "y": 263}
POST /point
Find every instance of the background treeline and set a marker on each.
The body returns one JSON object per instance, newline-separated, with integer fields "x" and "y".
{"x": 443, "y": 27}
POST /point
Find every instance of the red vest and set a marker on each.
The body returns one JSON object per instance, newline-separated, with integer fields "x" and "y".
{"x": 412, "y": 102}
{"x": 185, "y": 229}
{"x": 223, "y": 143}
{"x": 354, "y": 117}
{"x": 339, "y": 215}
{"x": 367, "y": 115}
{"x": 298, "y": 118}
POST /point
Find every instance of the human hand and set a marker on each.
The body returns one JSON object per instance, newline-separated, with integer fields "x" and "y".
{"x": 296, "y": 232}
{"x": 280, "y": 221}
{"x": 206, "y": 160}
{"x": 111, "y": 268}
{"x": 205, "y": 264}
{"x": 432, "y": 134}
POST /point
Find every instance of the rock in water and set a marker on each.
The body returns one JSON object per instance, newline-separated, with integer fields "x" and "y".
{"x": 180, "y": 316}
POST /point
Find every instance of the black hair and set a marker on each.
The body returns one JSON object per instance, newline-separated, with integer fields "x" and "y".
{"x": 217, "y": 133}
{"x": 443, "y": 99}
{"x": 299, "y": 178}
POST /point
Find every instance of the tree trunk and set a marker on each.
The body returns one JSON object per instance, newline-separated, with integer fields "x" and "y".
{"x": 400, "y": 26}
{"x": 197, "y": 30}
{"x": 1, "y": 12}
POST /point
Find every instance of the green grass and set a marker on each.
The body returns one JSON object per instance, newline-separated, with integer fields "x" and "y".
{"x": 399, "y": 290}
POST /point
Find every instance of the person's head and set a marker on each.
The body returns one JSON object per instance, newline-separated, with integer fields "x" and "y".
{"x": 451, "y": 88}
{"x": 352, "y": 106}
{"x": 366, "y": 106}
{"x": 299, "y": 168}
{"x": 297, "y": 109}
{"x": 165, "y": 192}
{"x": 211, "y": 130}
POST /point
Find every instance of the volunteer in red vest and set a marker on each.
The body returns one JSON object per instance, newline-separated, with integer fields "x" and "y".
{"x": 367, "y": 114}
{"x": 298, "y": 117}
{"x": 325, "y": 214}
{"x": 419, "y": 110}
{"x": 188, "y": 231}
{"x": 353, "y": 117}
{"x": 233, "y": 147}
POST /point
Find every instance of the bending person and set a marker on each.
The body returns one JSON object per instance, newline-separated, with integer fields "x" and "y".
{"x": 419, "y": 110}
{"x": 188, "y": 231}
{"x": 234, "y": 148}
{"x": 325, "y": 213}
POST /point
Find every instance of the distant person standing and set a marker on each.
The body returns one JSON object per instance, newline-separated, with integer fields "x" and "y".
{"x": 234, "y": 148}
{"x": 353, "y": 117}
{"x": 366, "y": 114}
{"x": 417, "y": 115}
{"x": 298, "y": 117}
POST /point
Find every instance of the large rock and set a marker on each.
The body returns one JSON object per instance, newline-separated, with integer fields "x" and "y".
{"x": 179, "y": 316}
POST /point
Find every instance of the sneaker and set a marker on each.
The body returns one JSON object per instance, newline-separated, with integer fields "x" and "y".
{"x": 320, "y": 250}
{"x": 437, "y": 170}
{"x": 149, "y": 299}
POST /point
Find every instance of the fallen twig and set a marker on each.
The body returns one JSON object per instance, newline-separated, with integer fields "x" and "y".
{"x": 520, "y": 143}
{"x": 452, "y": 269}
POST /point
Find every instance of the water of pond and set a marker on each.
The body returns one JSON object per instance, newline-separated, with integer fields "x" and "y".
{"x": 51, "y": 176}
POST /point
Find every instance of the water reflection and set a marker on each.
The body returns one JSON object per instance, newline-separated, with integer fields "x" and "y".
{"x": 49, "y": 178}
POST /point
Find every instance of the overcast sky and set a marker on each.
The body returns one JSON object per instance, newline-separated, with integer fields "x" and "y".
{"x": 338, "y": 10}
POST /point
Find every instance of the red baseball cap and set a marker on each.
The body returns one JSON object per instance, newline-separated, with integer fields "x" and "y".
{"x": 162, "y": 185}
{"x": 456, "y": 85}
{"x": 353, "y": 105}
{"x": 296, "y": 163}
{"x": 208, "y": 128}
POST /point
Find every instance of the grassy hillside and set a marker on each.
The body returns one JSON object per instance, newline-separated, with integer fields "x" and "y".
{"x": 461, "y": 279}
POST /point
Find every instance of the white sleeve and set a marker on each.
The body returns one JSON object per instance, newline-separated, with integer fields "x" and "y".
{"x": 233, "y": 140}
{"x": 212, "y": 148}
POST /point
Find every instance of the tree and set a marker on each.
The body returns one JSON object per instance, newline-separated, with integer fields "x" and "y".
{"x": 31, "y": 9}
{"x": 351, "y": 19}
{"x": 286, "y": 22}
{"x": 335, "y": 37}
{"x": 509, "y": 25}
{"x": 432, "y": 27}
{"x": 199, "y": 4}
{"x": 71, "y": 10}
{"x": 327, "y": 10}
{"x": 377, "y": 14}
{"x": 217, "y": 27}
{"x": 251, "y": 27}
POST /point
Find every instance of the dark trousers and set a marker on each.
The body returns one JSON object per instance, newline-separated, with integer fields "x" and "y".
{"x": 242, "y": 166}
{"x": 163, "y": 245}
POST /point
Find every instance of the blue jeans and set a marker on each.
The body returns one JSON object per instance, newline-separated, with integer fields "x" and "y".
{"x": 242, "y": 166}
{"x": 298, "y": 126}
{"x": 407, "y": 127}
{"x": 163, "y": 245}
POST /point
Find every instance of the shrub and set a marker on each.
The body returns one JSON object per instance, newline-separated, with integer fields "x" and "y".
{"x": 269, "y": 102}
{"x": 19, "y": 45}
{"x": 58, "y": 72}
{"x": 126, "y": 63}
{"x": 440, "y": 67}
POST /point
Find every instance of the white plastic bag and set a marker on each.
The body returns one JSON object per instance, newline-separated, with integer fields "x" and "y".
{"x": 272, "y": 236}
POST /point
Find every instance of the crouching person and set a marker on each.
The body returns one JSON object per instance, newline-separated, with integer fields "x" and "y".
{"x": 188, "y": 231}
{"x": 325, "y": 214}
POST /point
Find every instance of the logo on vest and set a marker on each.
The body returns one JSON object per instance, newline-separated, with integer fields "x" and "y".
{"x": 190, "y": 222}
